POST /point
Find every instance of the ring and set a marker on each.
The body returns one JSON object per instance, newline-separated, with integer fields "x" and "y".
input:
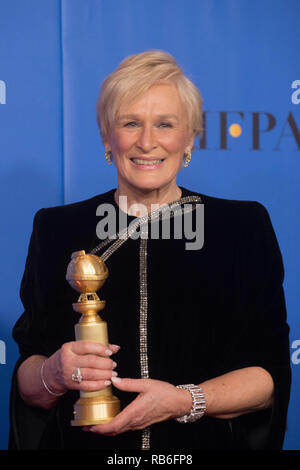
{"x": 76, "y": 376}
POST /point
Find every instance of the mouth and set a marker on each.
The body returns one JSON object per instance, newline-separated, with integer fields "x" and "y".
{"x": 147, "y": 163}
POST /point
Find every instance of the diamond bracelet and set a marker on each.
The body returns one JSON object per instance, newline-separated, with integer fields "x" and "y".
{"x": 198, "y": 404}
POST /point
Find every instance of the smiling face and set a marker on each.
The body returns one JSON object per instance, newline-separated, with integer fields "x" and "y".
{"x": 149, "y": 139}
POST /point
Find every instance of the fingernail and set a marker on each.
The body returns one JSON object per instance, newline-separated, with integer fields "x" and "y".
{"x": 116, "y": 379}
{"x": 107, "y": 382}
{"x": 114, "y": 373}
{"x": 108, "y": 352}
{"x": 115, "y": 364}
{"x": 116, "y": 346}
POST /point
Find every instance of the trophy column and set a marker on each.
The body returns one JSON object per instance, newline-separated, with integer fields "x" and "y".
{"x": 87, "y": 273}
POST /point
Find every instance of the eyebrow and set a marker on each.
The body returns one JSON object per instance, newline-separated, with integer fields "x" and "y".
{"x": 136, "y": 117}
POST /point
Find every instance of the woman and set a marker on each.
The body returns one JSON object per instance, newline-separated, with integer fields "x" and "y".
{"x": 203, "y": 355}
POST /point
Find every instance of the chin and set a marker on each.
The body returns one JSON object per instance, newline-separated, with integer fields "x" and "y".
{"x": 150, "y": 187}
{"x": 147, "y": 189}
{"x": 151, "y": 184}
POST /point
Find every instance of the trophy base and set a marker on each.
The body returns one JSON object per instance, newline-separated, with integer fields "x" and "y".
{"x": 95, "y": 410}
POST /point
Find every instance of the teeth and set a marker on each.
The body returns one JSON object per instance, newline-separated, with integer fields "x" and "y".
{"x": 146, "y": 162}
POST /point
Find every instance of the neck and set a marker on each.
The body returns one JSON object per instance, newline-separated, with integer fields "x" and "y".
{"x": 138, "y": 202}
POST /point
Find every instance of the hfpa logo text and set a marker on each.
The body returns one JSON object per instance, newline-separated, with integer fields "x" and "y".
{"x": 261, "y": 130}
{"x": 2, "y": 92}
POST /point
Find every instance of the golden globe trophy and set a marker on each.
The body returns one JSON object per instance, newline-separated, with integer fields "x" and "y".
{"x": 87, "y": 273}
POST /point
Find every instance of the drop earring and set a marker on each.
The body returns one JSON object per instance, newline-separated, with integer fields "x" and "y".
{"x": 108, "y": 157}
{"x": 187, "y": 159}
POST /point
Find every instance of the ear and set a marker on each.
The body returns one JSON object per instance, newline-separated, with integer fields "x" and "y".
{"x": 188, "y": 149}
{"x": 107, "y": 147}
{"x": 190, "y": 144}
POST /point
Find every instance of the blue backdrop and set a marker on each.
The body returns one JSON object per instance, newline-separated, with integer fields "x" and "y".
{"x": 54, "y": 54}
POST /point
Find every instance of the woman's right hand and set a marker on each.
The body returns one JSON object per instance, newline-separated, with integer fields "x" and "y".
{"x": 94, "y": 362}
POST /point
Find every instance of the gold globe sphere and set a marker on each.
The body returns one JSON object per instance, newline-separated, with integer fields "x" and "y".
{"x": 86, "y": 273}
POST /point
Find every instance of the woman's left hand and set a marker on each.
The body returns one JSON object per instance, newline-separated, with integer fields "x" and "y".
{"x": 157, "y": 401}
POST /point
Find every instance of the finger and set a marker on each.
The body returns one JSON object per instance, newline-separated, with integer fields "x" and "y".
{"x": 114, "y": 347}
{"x": 118, "y": 425}
{"x": 91, "y": 379}
{"x": 90, "y": 347}
{"x": 97, "y": 374}
{"x": 92, "y": 385}
{"x": 86, "y": 428}
{"x": 95, "y": 362}
{"x": 124, "y": 421}
{"x": 130, "y": 385}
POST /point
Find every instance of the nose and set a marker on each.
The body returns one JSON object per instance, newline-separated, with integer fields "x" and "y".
{"x": 146, "y": 140}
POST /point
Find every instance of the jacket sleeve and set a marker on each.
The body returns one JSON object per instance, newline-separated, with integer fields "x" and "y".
{"x": 26, "y": 331}
{"x": 263, "y": 336}
{"x": 27, "y": 423}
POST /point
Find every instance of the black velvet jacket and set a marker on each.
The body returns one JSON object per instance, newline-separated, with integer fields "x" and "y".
{"x": 210, "y": 311}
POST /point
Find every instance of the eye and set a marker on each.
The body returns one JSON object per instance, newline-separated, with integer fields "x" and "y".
{"x": 164, "y": 124}
{"x": 131, "y": 124}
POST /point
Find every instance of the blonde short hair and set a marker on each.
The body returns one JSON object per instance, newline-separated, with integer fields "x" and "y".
{"x": 134, "y": 76}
